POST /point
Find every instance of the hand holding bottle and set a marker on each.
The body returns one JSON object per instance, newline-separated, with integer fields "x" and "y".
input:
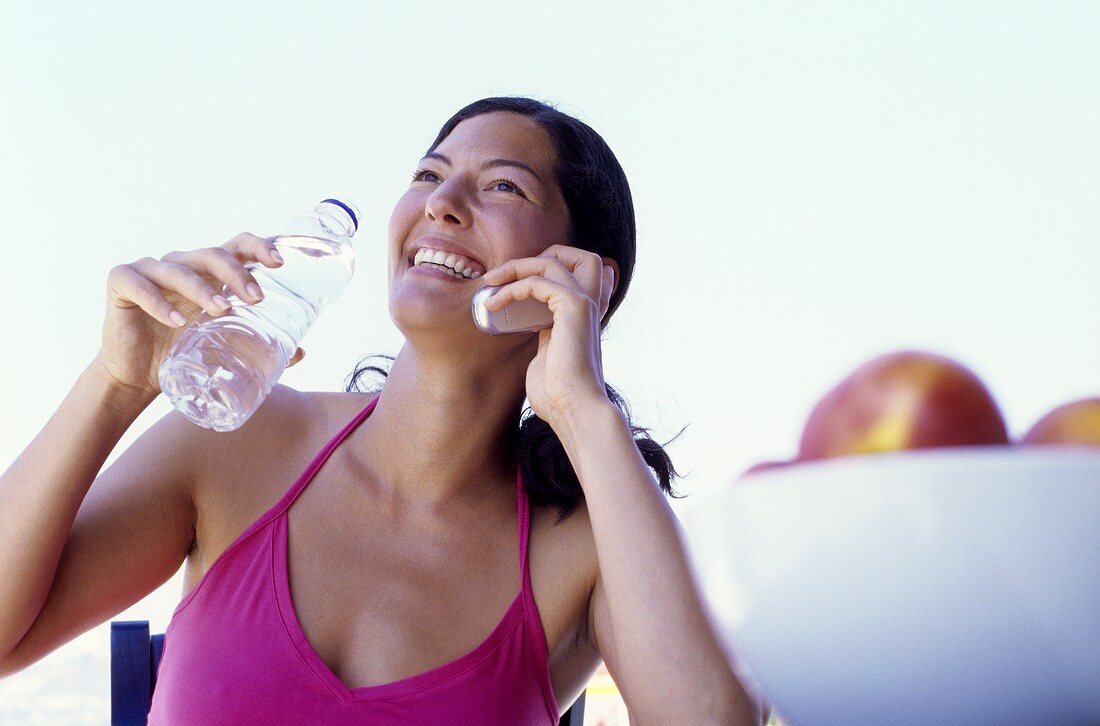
{"x": 218, "y": 371}
{"x": 143, "y": 296}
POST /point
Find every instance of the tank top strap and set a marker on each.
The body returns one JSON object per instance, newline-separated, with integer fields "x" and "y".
{"x": 534, "y": 632}
{"x": 319, "y": 460}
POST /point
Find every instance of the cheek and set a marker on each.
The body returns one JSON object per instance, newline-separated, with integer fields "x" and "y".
{"x": 406, "y": 212}
{"x": 553, "y": 226}
{"x": 404, "y": 215}
{"x": 534, "y": 234}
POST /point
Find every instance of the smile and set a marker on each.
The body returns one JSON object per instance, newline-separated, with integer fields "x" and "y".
{"x": 449, "y": 263}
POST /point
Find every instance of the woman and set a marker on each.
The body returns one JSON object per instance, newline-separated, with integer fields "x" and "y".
{"x": 364, "y": 592}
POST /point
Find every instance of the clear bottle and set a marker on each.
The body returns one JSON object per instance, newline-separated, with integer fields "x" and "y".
{"x": 221, "y": 368}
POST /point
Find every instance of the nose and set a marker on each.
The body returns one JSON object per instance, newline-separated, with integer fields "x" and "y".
{"x": 446, "y": 205}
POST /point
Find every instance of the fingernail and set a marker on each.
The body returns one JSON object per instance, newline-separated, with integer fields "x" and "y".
{"x": 276, "y": 256}
{"x": 254, "y": 291}
{"x": 221, "y": 302}
{"x": 177, "y": 318}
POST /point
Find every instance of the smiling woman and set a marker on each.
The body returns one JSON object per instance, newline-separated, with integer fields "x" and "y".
{"x": 440, "y": 556}
{"x": 581, "y": 173}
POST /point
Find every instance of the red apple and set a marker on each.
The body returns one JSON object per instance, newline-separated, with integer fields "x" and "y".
{"x": 1077, "y": 422}
{"x": 903, "y": 400}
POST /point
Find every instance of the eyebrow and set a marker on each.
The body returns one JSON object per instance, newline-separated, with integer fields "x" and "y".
{"x": 489, "y": 164}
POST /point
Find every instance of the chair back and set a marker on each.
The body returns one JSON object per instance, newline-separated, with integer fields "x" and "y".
{"x": 134, "y": 660}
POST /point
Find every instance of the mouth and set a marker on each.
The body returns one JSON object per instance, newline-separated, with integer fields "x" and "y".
{"x": 445, "y": 263}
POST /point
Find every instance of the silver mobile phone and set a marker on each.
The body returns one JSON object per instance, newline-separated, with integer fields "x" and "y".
{"x": 521, "y": 316}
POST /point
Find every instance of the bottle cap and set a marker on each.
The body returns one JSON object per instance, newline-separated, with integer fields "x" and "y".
{"x": 348, "y": 207}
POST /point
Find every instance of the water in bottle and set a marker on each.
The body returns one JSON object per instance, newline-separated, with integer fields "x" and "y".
{"x": 221, "y": 368}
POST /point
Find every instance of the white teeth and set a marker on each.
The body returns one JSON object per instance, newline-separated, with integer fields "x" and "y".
{"x": 460, "y": 266}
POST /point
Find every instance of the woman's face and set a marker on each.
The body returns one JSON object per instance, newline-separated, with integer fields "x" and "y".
{"x": 488, "y": 194}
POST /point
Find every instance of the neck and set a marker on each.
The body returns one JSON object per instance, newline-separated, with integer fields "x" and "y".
{"x": 444, "y": 428}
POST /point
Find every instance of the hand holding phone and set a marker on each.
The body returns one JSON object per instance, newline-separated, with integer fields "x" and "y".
{"x": 521, "y": 316}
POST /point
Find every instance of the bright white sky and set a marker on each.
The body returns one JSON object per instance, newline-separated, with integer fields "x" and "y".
{"x": 815, "y": 184}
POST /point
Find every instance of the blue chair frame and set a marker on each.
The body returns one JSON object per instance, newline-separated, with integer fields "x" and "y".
{"x": 134, "y": 660}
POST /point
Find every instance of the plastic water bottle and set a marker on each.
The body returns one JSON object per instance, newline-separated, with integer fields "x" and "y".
{"x": 221, "y": 368}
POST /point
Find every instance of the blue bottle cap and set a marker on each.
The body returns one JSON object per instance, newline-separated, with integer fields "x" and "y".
{"x": 349, "y": 208}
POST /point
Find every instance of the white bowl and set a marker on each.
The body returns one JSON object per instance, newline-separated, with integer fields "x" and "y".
{"x": 939, "y": 586}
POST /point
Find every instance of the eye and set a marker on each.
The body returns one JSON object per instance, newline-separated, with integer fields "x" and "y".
{"x": 507, "y": 185}
{"x": 425, "y": 175}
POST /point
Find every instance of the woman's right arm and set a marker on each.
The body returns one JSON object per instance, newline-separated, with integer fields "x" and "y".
{"x": 77, "y": 548}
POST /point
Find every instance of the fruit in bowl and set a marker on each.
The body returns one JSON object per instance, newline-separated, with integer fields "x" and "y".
{"x": 951, "y": 585}
{"x": 897, "y": 401}
{"x": 903, "y": 400}
{"x": 1076, "y": 422}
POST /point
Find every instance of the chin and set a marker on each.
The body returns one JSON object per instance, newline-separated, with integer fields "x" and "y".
{"x": 423, "y": 327}
{"x": 420, "y": 316}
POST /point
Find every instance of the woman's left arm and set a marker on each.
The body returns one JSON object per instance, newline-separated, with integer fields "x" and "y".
{"x": 646, "y": 612}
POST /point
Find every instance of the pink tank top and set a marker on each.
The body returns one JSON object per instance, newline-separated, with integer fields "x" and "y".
{"x": 234, "y": 652}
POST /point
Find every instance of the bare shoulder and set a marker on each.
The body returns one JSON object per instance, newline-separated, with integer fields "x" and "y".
{"x": 283, "y": 415}
{"x": 287, "y": 419}
{"x": 245, "y": 472}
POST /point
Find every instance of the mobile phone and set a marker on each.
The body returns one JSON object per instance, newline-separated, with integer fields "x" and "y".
{"x": 520, "y": 316}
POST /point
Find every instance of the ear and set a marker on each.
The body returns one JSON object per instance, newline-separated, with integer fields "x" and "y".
{"x": 298, "y": 355}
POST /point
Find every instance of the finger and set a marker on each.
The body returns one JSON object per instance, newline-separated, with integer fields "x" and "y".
{"x": 128, "y": 288}
{"x": 183, "y": 280}
{"x": 557, "y": 296}
{"x": 224, "y": 266}
{"x": 522, "y": 267}
{"x": 246, "y": 246}
{"x": 587, "y": 267}
{"x": 566, "y": 265}
{"x": 606, "y": 287}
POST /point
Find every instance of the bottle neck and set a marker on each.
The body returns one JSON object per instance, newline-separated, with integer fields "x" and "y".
{"x": 338, "y": 217}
